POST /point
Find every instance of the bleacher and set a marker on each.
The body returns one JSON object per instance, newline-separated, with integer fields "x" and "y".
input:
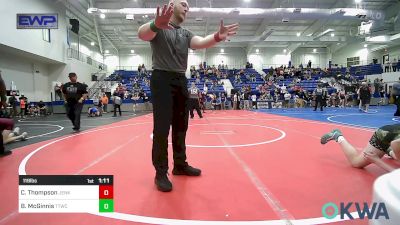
{"x": 359, "y": 72}
{"x": 126, "y": 76}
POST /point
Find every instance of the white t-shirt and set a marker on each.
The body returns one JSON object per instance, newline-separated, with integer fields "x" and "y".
{"x": 287, "y": 96}
{"x": 254, "y": 98}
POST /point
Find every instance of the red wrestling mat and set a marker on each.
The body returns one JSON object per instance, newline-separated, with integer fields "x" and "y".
{"x": 256, "y": 169}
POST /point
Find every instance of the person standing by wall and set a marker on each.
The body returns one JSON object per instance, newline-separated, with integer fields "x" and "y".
{"x": 170, "y": 44}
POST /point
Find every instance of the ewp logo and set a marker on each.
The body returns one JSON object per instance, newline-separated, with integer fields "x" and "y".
{"x": 37, "y": 21}
{"x": 331, "y": 210}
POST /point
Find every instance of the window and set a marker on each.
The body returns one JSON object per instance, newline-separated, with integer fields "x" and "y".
{"x": 353, "y": 61}
{"x": 46, "y": 35}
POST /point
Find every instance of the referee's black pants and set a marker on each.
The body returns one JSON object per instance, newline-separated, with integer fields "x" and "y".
{"x": 170, "y": 108}
{"x": 74, "y": 110}
{"x": 194, "y": 104}
{"x": 318, "y": 100}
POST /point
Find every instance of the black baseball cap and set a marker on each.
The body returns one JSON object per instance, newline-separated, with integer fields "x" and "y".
{"x": 72, "y": 75}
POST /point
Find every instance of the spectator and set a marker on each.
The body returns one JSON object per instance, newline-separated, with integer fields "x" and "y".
{"x": 22, "y": 106}
{"x": 254, "y": 101}
{"x": 342, "y": 97}
{"x": 58, "y": 93}
{"x": 287, "y": 96}
{"x": 12, "y": 102}
{"x": 364, "y": 94}
{"x": 203, "y": 101}
{"x": 42, "y": 108}
{"x": 117, "y": 103}
{"x": 398, "y": 64}
{"x": 235, "y": 101}
{"x": 394, "y": 65}
{"x": 246, "y": 100}
{"x": 146, "y": 100}
{"x": 387, "y": 66}
{"x": 223, "y": 100}
{"x": 104, "y": 101}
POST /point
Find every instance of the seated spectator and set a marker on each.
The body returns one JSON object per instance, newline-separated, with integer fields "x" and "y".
{"x": 33, "y": 109}
{"x": 287, "y": 97}
{"x": 248, "y": 65}
{"x": 42, "y": 108}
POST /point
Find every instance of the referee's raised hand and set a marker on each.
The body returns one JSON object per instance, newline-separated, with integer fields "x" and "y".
{"x": 226, "y": 31}
{"x": 163, "y": 17}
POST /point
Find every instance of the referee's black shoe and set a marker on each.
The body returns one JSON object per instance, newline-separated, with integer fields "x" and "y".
{"x": 186, "y": 170}
{"x": 5, "y": 153}
{"x": 162, "y": 182}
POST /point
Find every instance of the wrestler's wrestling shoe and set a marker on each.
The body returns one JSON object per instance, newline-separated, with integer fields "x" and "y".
{"x": 333, "y": 135}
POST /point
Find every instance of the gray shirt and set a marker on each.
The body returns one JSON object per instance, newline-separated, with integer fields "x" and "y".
{"x": 170, "y": 49}
{"x": 194, "y": 92}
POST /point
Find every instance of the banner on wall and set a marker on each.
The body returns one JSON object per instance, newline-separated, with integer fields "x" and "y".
{"x": 37, "y": 21}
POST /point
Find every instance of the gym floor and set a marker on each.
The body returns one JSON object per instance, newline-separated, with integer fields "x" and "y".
{"x": 258, "y": 167}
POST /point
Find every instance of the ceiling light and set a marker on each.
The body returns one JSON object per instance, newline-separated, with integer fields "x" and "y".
{"x": 257, "y": 50}
{"x": 191, "y": 50}
{"x": 222, "y": 50}
{"x": 103, "y": 16}
{"x": 297, "y": 10}
{"x": 358, "y": 1}
{"x": 92, "y": 43}
{"x": 132, "y": 51}
{"x": 298, "y": 34}
{"x": 284, "y": 50}
{"x": 332, "y": 34}
{"x": 314, "y": 50}
{"x": 130, "y": 16}
{"x": 381, "y": 38}
{"x": 247, "y": 0}
{"x": 107, "y": 51}
{"x": 365, "y": 46}
{"x": 92, "y": 10}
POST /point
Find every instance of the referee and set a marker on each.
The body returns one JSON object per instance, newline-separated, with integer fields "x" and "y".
{"x": 194, "y": 100}
{"x": 74, "y": 94}
{"x": 170, "y": 43}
